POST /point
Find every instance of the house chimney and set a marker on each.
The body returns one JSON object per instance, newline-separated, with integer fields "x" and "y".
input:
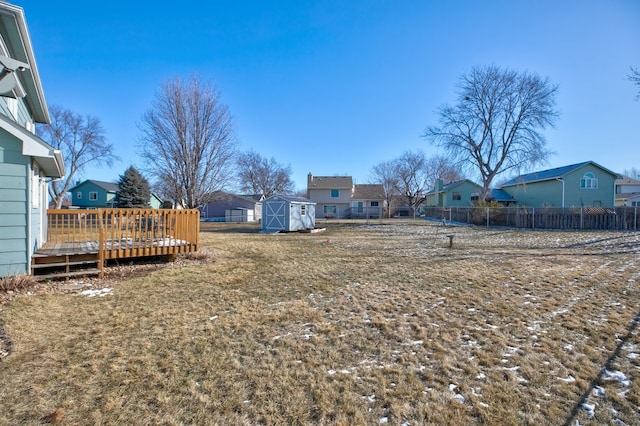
{"x": 439, "y": 185}
{"x": 309, "y": 179}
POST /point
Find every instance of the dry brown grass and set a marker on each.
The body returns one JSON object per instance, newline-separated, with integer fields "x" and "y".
{"x": 355, "y": 325}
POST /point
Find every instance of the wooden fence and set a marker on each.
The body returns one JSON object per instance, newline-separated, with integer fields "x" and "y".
{"x": 595, "y": 218}
{"x": 122, "y": 233}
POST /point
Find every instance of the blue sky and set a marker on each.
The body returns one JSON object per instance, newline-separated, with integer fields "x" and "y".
{"x": 335, "y": 87}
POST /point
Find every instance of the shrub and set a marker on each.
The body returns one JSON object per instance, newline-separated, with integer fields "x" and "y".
{"x": 17, "y": 283}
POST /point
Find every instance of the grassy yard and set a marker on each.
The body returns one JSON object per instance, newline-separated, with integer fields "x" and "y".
{"x": 355, "y": 325}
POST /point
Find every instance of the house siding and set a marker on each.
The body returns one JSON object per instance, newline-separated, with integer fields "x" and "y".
{"x": 14, "y": 169}
{"x": 538, "y": 194}
{"x": 549, "y": 192}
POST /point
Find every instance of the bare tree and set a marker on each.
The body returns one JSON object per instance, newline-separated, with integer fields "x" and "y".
{"x": 495, "y": 125}
{"x": 82, "y": 142}
{"x": 412, "y": 178}
{"x": 384, "y": 173}
{"x": 440, "y": 168}
{"x": 634, "y": 77}
{"x": 188, "y": 139}
{"x": 632, "y": 173}
{"x": 263, "y": 176}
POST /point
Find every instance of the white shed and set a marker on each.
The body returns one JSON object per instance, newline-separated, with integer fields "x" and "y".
{"x": 288, "y": 213}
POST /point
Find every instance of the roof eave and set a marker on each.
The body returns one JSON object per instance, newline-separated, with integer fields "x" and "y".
{"x": 24, "y": 52}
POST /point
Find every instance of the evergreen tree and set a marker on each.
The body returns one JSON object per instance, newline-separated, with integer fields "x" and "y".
{"x": 134, "y": 190}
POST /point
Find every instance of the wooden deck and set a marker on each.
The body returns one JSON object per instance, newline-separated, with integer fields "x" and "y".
{"x": 80, "y": 241}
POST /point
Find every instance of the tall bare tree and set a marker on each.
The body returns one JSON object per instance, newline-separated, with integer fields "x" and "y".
{"x": 82, "y": 142}
{"x": 263, "y": 176}
{"x": 189, "y": 141}
{"x": 634, "y": 77}
{"x": 495, "y": 125}
{"x": 412, "y": 178}
{"x": 384, "y": 173}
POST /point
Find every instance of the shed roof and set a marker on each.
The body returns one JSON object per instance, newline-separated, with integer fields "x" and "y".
{"x": 551, "y": 174}
{"x": 290, "y": 198}
{"x": 368, "y": 192}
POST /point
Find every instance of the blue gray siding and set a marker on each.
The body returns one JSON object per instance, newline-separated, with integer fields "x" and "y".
{"x": 14, "y": 199}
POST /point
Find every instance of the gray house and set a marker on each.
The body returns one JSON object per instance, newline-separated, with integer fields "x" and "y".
{"x": 26, "y": 161}
{"x": 585, "y": 184}
{"x": 288, "y": 213}
{"x": 239, "y": 208}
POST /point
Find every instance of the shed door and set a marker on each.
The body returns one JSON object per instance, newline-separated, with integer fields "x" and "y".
{"x": 275, "y": 215}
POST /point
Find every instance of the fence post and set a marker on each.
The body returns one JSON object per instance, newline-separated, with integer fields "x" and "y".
{"x": 581, "y": 217}
{"x": 533, "y": 217}
{"x": 487, "y": 216}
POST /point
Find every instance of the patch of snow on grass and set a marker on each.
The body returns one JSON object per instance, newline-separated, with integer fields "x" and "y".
{"x": 616, "y": 375}
{"x": 93, "y": 293}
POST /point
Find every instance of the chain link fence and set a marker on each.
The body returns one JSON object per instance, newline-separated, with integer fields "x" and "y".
{"x": 597, "y": 218}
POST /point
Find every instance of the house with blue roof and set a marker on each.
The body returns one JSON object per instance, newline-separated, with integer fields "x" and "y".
{"x": 586, "y": 184}
{"x": 463, "y": 193}
{"x": 96, "y": 194}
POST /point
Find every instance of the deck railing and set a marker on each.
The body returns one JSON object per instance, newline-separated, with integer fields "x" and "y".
{"x": 123, "y": 233}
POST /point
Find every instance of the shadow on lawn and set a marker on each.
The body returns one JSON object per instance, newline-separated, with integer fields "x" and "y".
{"x": 608, "y": 365}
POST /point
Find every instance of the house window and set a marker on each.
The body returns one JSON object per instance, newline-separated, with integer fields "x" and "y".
{"x": 303, "y": 210}
{"x": 93, "y": 196}
{"x": 589, "y": 181}
{"x": 635, "y": 204}
{"x": 335, "y": 193}
{"x": 330, "y": 210}
{"x": 374, "y": 204}
{"x": 457, "y": 196}
{"x": 79, "y": 195}
{"x": 475, "y": 196}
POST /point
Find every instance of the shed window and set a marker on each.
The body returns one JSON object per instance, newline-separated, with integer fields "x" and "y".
{"x": 457, "y": 196}
{"x": 335, "y": 193}
{"x": 93, "y": 196}
{"x": 589, "y": 181}
{"x": 303, "y": 210}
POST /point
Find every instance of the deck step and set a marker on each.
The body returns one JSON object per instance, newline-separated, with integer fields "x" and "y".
{"x": 62, "y": 264}
{"x": 82, "y": 272}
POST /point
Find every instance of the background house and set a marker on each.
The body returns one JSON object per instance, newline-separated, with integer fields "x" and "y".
{"x": 288, "y": 213}
{"x": 95, "y": 194}
{"x": 460, "y": 193}
{"x": 367, "y": 201}
{"x": 627, "y": 192}
{"x": 26, "y": 161}
{"x": 331, "y": 194}
{"x": 585, "y": 184}
{"x": 226, "y": 204}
